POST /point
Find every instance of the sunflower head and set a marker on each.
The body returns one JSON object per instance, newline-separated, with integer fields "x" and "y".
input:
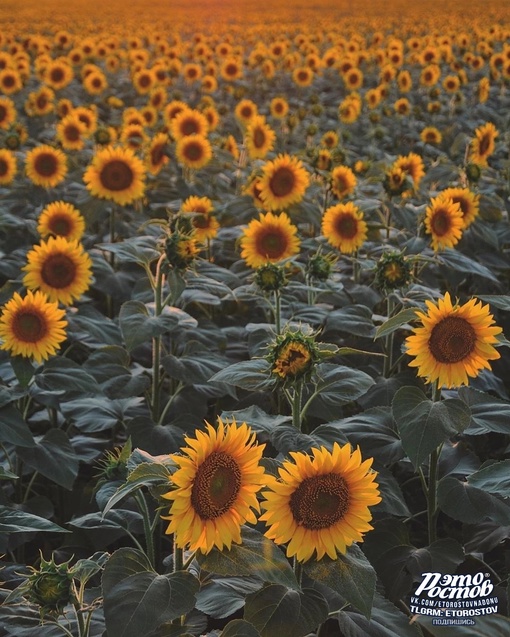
{"x": 113, "y": 464}
{"x": 51, "y": 587}
{"x": 473, "y": 172}
{"x": 270, "y": 277}
{"x": 181, "y": 247}
{"x": 396, "y": 182}
{"x": 271, "y": 238}
{"x": 320, "y": 266}
{"x": 293, "y": 356}
{"x": 393, "y": 271}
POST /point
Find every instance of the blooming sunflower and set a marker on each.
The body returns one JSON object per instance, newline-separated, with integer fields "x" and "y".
{"x": 468, "y": 201}
{"x": 70, "y": 132}
{"x": 116, "y": 174}
{"x": 343, "y": 181}
{"x": 62, "y": 220}
{"x": 453, "y": 342}
{"x": 46, "y": 166}
{"x": 344, "y": 228}
{"x": 8, "y": 166}
{"x": 245, "y": 111}
{"x": 270, "y": 238}
{"x": 59, "y": 268}
{"x": 259, "y": 138}
{"x": 430, "y": 135}
{"x": 188, "y": 122}
{"x": 483, "y": 144}
{"x": 412, "y": 165}
{"x": 215, "y": 487}
{"x": 284, "y": 182}
{"x": 7, "y": 113}
{"x": 279, "y": 107}
{"x": 193, "y": 151}
{"x": 320, "y": 504}
{"x": 156, "y": 156}
{"x": 32, "y": 326}
{"x": 204, "y": 223}
{"x": 443, "y": 220}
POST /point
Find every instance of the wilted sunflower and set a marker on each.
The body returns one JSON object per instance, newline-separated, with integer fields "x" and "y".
{"x": 259, "y": 138}
{"x": 483, "y": 144}
{"x": 116, "y": 174}
{"x": 8, "y": 166}
{"x": 443, "y": 220}
{"x": 46, "y": 166}
{"x": 293, "y": 356}
{"x": 59, "y": 268}
{"x": 61, "y": 219}
{"x": 343, "y": 181}
{"x": 269, "y": 238}
{"x": 321, "y": 504}
{"x": 32, "y": 326}
{"x": 215, "y": 487}
{"x": 344, "y": 228}
{"x": 284, "y": 182}
{"x": 193, "y": 151}
{"x": 468, "y": 201}
{"x": 453, "y": 342}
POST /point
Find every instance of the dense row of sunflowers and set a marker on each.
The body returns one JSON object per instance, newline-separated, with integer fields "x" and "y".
{"x": 257, "y": 278}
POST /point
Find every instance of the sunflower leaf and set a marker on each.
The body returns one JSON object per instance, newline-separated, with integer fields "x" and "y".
{"x": 240, "y": 628}
{"x": 467, "y": 503}
{"x": 16, "y": 521}
{"x": 253, "y": 375}
{"x": 395, "y": 322}
{"x": 350, "y": 575}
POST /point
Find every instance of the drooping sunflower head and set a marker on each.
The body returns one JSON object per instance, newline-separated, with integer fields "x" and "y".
{"x": 205, "y": 224}
{"x": 320, "y": 266}
{"x": 32, "y": 326}
{"x": 344, "y": 227}
{"x": 270, "y": 277}
{"x": 453, "y": 342}
{"x": 412, "y": 165}
{"x": 59, "y": 268}
{"x": 393, "y": 271}
{"x": 157, "y": 154}
{"x": 214, "y": 489}
{"x": 117, "y": 174}
{"x": 321, "y": 503}
{"x": 284, "y": 182}
{"x": 61, "y": 219}
{"x": 46, "y": 166}
{"x": 271, "y": 238}
{"x": 293, "y": 356}
{"x": 181, "y": 248}
{"x": 444, "y": 222}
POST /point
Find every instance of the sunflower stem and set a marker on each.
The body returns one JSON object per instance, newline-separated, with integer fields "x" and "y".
{"x": 147, "y": 526}
{"x": 432, "y": 486}
{"x": 355, "y": 268}
{"x": 178, "y": 558}
{"x": 156, "y": 343}
{"x": 296, "y": 406}
{"x": 388, "y": 361}
{"x": 278, "y": 311}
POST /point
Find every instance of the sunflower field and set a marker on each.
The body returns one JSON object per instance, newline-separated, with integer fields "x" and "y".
{"x": 254, "y": 291}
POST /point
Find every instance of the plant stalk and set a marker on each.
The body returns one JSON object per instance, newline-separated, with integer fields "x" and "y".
{"x": 147, "y": 525}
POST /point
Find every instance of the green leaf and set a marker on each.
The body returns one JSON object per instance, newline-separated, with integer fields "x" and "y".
{"x": 493, "y": 479}
{"x": 461, "y": 263}
{"x": 337, "y": 385}
{"x": 193, "y": 369}
{"x": 84, "y": 569}
{"x": 23, "y": 369}
{"x": 5, "y": 474}
{"x": 256, "y": 556}
{"x": 465, "y": 502}
{"x": 350, "y": 575}
{"x": 221, "y": 597}
{"x": 240, "y": 628}
{"x": 53, "y": 457}
{"x": 253, "y": 375}
{"x": 487, "y": 412}
{"x": 353, "y": 319}
{"x": 139, "y": 325}
{"x": 16, "y": 521}
{"x": 273, "y": 611}
{"x": 62, "y": 374}
{"x": 256, "y": 418}
{"x": 14, "y": 429}
{"x": 423, "y": 425}
{"x": 98, "y": 413}
{"x": 395, "y": 322}
{"x": 141, "y": 250}
{"x": 137, "y": 600}
{"x": 94, "y": 326}
{"x": 501, "y": 301}
{"x": 142, "y": 476}
{"x": 146, "y": 434}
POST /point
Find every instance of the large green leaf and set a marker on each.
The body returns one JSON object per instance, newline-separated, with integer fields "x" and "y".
{"x": 141, "y": 250}
{"x": 139, "y": 325}
{"x": 16, "y": 521}
{"x": 353, "y": 319}
{"x": 423, "y": 424}
{"x": 137, "y": 600}
{"x": 493, "y": 479}
{"x": 462, "y": 263}
{"x": 253, "y": 375}
{"x": 193, "y": 369}
{"x": 395, "y": 322}
{"x": 13, "y": 428}
{"x": 53, "y": 457}
{"x": 240, "y": 628}
{"x": 62, "y": 374}
{"x": 351, "y": 575}
{"x": 337, "y": 385}
{"x": 465, "y": 502}
{"x": 255, "y": 556}
{"x": 221, "y": 597}
{"x": 99, "y": 413}
{"x": 487, "y": 412}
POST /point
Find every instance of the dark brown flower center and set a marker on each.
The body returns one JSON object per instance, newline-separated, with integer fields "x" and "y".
{"x": 58, "y": 271}
{"x": 189, "y": 126}
{"x": 3, "y": 112}
{"x": 29, "y": 326}
{"x": 346, "y": 225}
{"x": 282, "y": 182}
{"x": 320, "y": 502}
{"x": 231, "y": 69}
{"x": 46, "y": 164}
{"x": 271, "y": 243}
{"x": 116, "y": 175}
{"x": 57, "y": 75}
{"x": 484, "y": 145}
{"x": 72, "y": 133}
{"x": 201, "y": 221}
{"x": 4, "y": 168}
{"x": 216, "y": 485}
{"x": 194, "y": 151}
{"x": 452, "y": 340}
{"x": 441, "y": 222}
{"x": 259, "y": 138}
{"x": 157, "y": 154}
{"x": 60, "y": 225}
{"x": 9, "y": 81}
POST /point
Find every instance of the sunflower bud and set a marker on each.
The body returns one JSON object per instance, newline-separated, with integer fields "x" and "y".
{"x": 473, "y": 172}
{"x": 320, "y": 266}
{"x": 51, "y": 587}
{"x": 293, "y": 356}
{"x": 270, "y": 277}
{"x": 312, "y": 130}
{"x": 12, "y": 141}
{"x": 393, "y": 271}
{"x": 396, "y": 181}
{"x": 181, "y": 250}
{"x": 102, "y": 136}
{"x": 113, "y": 465}
{"x": 317, "y": 109}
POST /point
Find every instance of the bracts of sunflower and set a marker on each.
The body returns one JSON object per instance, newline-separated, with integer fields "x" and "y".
{"x": 181, "y": 245}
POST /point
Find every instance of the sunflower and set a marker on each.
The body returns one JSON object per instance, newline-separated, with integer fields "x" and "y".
{"x": 188, "y": 122}
{"x": 320, "y": 504}
{"x": 133, "y": 136}
{"x": 46, "y": 166}
{"x": 468, "y": 201}
{"x": 70, "y": 132}
{"x": 349, "y": 109}
{"x": 483, "y": 144}
{"x": 8, "y": 166}
{"x": 144, "y": 81}
{"x": 353, "y": 79}
{"x": 245, "y": 111}
{"x": 270, "y": 238}
{"x": 279, "y": 107}
{"x": 193, "y": 151}
{"x": 62, "y": 220}
{"x": 412, "y": 165}
{"x": 443, "y": 220}
{"x": 302, "y": 76}
{"x": 451, "y": 83}
{"x": 157, "y": 156}
{"x": 59, "y": 268}
{"x": 343, "y": 181}
{"x": 283, "y": 182}
{"x": 231, "y": 69}
{"x": 7, "y": 113}
{"x": 58, "y": 74}
{"x": 344, "y": 228}
{"x": 453, "y": 342}
{"x": 402, "y": 106}
{"x": 191, "y": 72}
{"x": 116, "y": 174}
{"x": 215, "y": 487}
{"x": 10, "y": 81}
{"x": 95, "y": 83}
{"x": 88, "y": 116}
{"x": 404, "y": 81}
{"x": 32, "y": 326}
{"x": 330, "y": 139}
{"x": 204, "y": 223}
{"x": 430, "y": 135}
{"x": 259, "y": 138}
